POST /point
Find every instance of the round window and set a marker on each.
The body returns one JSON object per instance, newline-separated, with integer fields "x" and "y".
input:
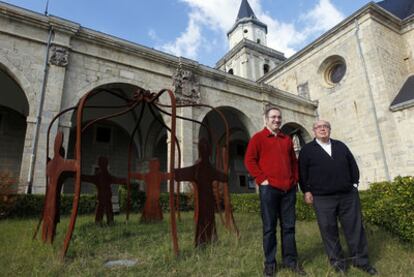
{"x": 336, "y": 72}
{"x": 332, "y": 70}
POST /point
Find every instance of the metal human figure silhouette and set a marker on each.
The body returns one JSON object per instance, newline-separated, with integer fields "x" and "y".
{"x": 152, "y": 210}
{"x": 202, "y": 174}
{"x": 103, "y": 181}
{"x": 57, "y": 170}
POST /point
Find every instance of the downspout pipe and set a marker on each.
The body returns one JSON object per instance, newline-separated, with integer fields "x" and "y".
{"x": 371, "y": 98}
{"x": 39, "y": 114}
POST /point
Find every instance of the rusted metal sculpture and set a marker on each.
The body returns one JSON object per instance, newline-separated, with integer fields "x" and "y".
{"x": 152, "y": 210}
{"x": 56, "y": 169}
{"x": 103, "y": 181}
{"x": 202, "y": 174}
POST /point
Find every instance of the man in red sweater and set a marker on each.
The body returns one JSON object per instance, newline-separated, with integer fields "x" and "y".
{"x": 271, "y": 160}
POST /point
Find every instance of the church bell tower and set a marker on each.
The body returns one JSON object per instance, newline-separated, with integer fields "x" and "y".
{"x": 249, "y": 57}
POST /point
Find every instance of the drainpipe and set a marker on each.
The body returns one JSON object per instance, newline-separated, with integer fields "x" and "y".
{"x": 373, "y": 107}
{"x": 39, "y": 115}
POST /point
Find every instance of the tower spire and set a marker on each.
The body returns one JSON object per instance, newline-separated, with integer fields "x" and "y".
{"x": 245, "y": 11}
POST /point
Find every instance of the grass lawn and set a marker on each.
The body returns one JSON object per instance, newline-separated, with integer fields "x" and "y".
{"x": 150, "y": 245}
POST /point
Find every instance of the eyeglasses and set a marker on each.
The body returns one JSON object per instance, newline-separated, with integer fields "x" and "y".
{"x": 325, "y": 126}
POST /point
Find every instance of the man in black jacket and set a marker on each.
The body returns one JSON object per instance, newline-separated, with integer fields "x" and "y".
{"x": 329, "y": 179}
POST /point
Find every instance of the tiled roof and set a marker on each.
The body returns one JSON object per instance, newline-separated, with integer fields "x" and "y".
{"x": 400, "y": 8}
{"x": 405, "y": 96}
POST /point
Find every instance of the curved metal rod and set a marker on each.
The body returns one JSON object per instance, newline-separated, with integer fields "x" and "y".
{"x": 130, "y": 162}
{"x": 179, "y": 155}
{"x": 114, "y": 93}
{"x": 108, "y": 116}
{"x": 158, "y": 95}
{"x": 172, "y": 161}
{"x": 230, "y": 224}
{"x": 90, "y": 94}
{"x": 211, "y": 136}
{"x": 47, "y": 156}
{"x": 78, "y": 162}
{"x": 165, "y": 126}
{"x": 210, "y": 133}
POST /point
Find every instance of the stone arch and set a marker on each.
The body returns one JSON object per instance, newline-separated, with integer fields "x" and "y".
{"x": 153, "y": 139}
{"x": 248, "y": 124}
{"x": 238, "y": 140}
{"x": 14, "y": 110}
{"x": 115, "y": 149}
{"x": 66, "y": 119}
{"x": 298, "y": 133}
{"x": 25, "y": 85}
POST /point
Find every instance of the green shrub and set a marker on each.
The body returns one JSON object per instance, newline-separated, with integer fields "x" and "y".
{"x": 250, "y": 203}
{"x": 245, "y": 202}
{"x": 31, "y": 205}
{"x": 391, "y": 205}
{"x": 303, "y": 210}
{"x": 138, "y": 200}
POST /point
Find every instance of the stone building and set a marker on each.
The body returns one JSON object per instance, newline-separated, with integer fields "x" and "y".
{"x": 357, "y": 75}
{"x": 361, "y": 74}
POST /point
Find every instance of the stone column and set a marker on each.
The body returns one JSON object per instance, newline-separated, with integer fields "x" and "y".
{"x": 58, "y": 60}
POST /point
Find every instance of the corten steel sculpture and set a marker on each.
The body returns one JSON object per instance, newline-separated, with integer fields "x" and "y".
{"x": 103, "y": 181}
{"x": 202, "y": 175}
{"x": 229, "y": 219}
{"x": 57, "y": 170}
{"x": 152, "y": 210}
{"x": 142, "y": 99}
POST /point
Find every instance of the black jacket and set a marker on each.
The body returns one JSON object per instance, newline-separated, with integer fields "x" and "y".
{"x": 322, "y": 174}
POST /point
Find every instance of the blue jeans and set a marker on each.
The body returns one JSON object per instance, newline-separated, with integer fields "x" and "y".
{"x": 274, "y": 204}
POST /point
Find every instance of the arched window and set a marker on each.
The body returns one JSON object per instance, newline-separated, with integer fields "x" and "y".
{"x": 230, "y": 71}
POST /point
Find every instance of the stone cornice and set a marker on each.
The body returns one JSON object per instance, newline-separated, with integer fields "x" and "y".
{"x": 123, "y": 45}
{"x": 24, "y": 15}
{"x": 37, "y": 19}
{"x": 105, "y": 40}
{"x": 402, "y": 106}
{"x": 246, "y": 43}
{"x": 260, "y": 89}
{"x": 375, "y": 12}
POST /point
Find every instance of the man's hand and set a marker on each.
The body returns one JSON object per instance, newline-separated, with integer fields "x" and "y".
{"x": 308, "y": 197}
{"x": 265, "y": 183}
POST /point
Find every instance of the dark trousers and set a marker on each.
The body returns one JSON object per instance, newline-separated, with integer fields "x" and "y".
{"x": 276, "y": 204}
{"x": 347, "y": 208}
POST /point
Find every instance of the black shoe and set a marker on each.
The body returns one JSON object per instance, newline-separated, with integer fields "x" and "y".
{"x": 339, "y": 267}
{"x": 297, "y": 269}
{"x": 269, "y": 270}
{"x": 367, "y": 268}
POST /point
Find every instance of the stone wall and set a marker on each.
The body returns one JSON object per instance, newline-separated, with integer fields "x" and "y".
{"x": 375, "y": 54}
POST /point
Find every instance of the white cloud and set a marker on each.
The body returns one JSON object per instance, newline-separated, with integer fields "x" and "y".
{"x": 215, "y": 15}
{"x": 153, "y": 35}
{"x": 321, "y": 18}
{"x": 188, "y": 43}
{"x": 219, "y": 16}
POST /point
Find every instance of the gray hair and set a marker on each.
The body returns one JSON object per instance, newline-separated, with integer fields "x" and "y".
{"x": 321, "y": 120}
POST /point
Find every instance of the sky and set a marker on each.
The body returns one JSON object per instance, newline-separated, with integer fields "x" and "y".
{"x": 197, "y": 29}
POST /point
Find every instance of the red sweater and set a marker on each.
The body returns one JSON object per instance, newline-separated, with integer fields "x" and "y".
{"x": 272, "y": 158}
